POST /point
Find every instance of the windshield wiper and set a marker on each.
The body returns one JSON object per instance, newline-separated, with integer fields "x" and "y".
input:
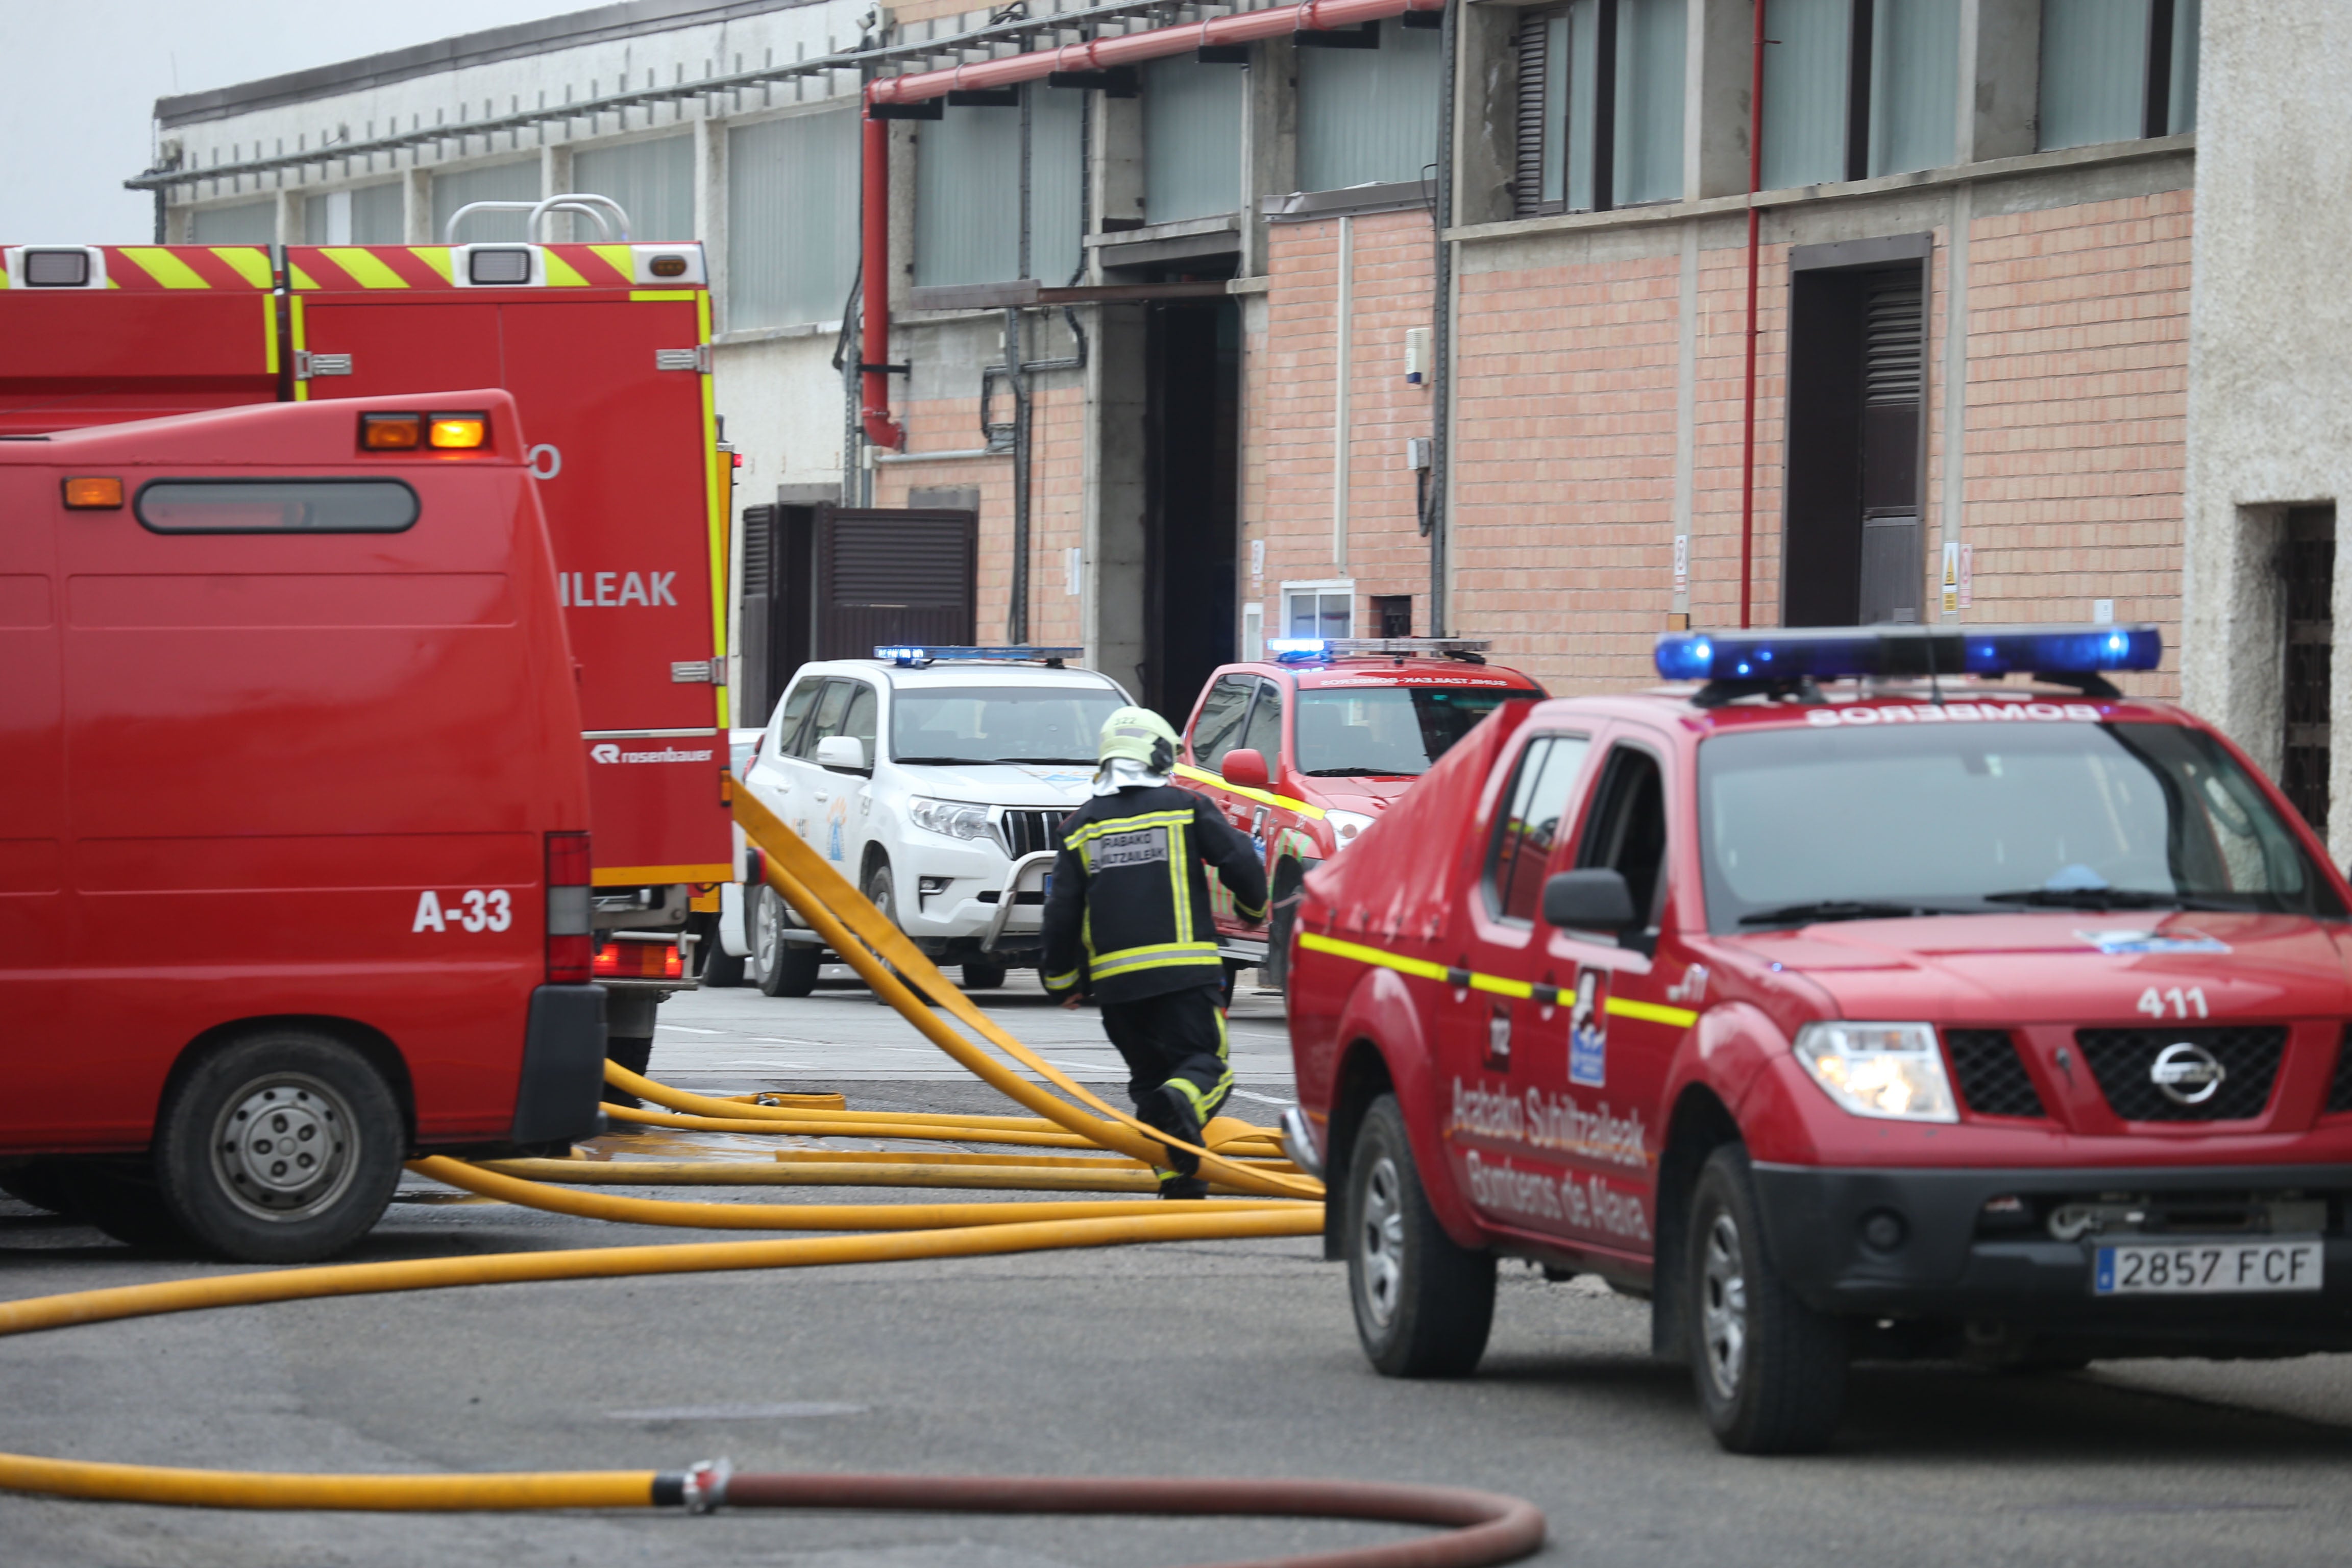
{"x": 2106, "y": 898}
{"x": 1836, "y": 910}
{"x": 1357, "y": 773}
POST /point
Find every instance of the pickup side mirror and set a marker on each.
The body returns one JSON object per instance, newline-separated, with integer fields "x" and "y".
{"x": 1595, "y": 899}
{"x": 1244, "y": 768}
{"x": 840, "y": 754}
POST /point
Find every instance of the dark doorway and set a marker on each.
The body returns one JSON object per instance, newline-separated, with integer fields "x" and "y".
{"x": 1192, "y": 424}
{"x": 2309, "y": 564}
{"x": 1857, "y": 434}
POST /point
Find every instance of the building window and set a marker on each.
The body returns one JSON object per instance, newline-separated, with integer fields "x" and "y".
{"x": 1318, "y": 609}
{"x": 1858, "y": 88}
{"x": 2112, "y": 70}
{"x": 513, "y": 182}
{"x": 1392, "y": 615}
{"x": 372, "y": 214}
{"x": 969, "y": 222}
{"x": 792, "y": 219}
{"x": 1601, "y": 105}
{"x": 1369, "y": 116}
{"x": 2308, "y": 563}
{"x": 653, "y": 181}
{"x": 247, "y": 222}
{"x": 1191, "y": 140}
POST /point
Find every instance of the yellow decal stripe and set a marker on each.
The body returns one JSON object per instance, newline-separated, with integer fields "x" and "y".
{"x": 294, "y": 313}
{"x": 1617, "y": 1006}
{"x": 561, "y": 274}
{"x": 1201, "y": 776}
{"x": 437, "y": 256}
{"x": 617, "y": 257}
{"x": 659, "y": 294}
{"x": 302, "y": 280}
{"x": 269, "y": 330}
{"x": 162, "y": 266}
{"x": 367, "y": 269}
{"x": 646, "y": 875}
{"x": 721, "y": 488}
{"x": 249, "y": 262}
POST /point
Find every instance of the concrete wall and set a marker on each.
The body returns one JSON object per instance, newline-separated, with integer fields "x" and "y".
{"x": 2270, "y": 356}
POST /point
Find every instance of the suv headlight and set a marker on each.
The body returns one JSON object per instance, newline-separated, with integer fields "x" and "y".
{"x": 956, "y": 818}
{"x": 1346, "y": 826}
{"x": 1892, "y": 1071}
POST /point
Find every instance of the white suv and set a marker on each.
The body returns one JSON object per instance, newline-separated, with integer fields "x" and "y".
{"x": 935, "y": 779}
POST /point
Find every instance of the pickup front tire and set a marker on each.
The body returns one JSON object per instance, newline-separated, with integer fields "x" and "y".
{"x": 1771, "y": 1369}
{"x": 779, "y": 968}
{"x": 1424, "y": 1305}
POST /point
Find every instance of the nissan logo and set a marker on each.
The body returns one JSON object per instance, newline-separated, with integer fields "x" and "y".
{"x": 2187, "y": 1074}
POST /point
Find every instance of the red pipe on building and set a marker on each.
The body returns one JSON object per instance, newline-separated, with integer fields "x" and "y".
{"x": 1103, "y": 54}
{"x": 1754, "y": 214}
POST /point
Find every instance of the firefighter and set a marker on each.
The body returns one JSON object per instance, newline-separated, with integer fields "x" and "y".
{"x": 1127, "y": 923}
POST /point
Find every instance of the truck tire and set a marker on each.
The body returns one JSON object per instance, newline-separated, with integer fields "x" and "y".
{"x": 1771, "y": 1369}
{"x": 283, "y": 1148}
{"x": 779, "y": 968}
{"x": 982, "y": 974}
{"x": 719, "y": 967}
{"x": 1424, "y": 1305}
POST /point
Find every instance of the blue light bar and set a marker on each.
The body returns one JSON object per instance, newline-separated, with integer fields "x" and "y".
{"x": 1297, "y": 644}
{"x": 1828, "y": 652}
{"x": 914, "y": 658}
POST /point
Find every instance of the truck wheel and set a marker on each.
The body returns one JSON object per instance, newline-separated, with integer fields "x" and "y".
{"x": 881, "y": 890}
{"x": 1771, "y": 1369}
{"x": 779, "y": 968}
{"x": 284, "y": 1148}
{"x": 982, "y": 974}
{"x": 1424, "y": 1305}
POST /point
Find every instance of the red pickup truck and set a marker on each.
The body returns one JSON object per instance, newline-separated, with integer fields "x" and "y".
{"x": 1924, "y": 1016}
{"x": 294, "y": 868}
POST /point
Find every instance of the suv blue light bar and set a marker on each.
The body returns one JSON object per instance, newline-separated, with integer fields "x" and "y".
{"x": 1828, "y": 652}
{"x": 911, "y": 658}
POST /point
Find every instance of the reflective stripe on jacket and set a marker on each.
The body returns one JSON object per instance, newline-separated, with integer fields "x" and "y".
{"x": 1129, "y": 915}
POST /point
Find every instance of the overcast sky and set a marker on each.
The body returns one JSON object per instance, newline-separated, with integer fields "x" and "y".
{"x": 79, "y": 119}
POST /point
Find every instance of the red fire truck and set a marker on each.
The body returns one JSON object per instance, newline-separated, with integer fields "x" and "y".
{"x": 605, "y": 347}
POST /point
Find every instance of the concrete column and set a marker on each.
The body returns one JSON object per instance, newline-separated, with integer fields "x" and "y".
{"x": 290, "y": 216}
{"x": 1116, "y": 180}
{"x": 1114, "y": 613}
{"x": 555, "y": 179}
{"x": 1685, "y": 421}
{"x": 1269, "y": 141}
{"x": 2000, "y": 78}
{"x": 416, "y": 207}
{"x": 1486, "y": 118}
{"x": 710, "y": 211}
{"x": 1954, "y": 502}
{"x": 1717, "y": 51}
{"x": 905, "y": 148}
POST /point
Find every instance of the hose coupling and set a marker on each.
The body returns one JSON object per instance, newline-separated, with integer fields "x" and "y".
{"x": 701, "y": 1488}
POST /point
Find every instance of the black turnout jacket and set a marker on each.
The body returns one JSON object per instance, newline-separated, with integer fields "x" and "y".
{"x": 1129, "y": 916}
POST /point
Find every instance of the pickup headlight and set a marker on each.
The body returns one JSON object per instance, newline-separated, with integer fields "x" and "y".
{"x": 956, "y": 818}
{"x": 1345, "y": 826}
{"x": 1891, "y": 1071}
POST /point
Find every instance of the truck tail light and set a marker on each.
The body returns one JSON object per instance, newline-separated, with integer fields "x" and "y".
{"x": 571, "y": 950}
{"x": 457, "y": 431}
{"x": 623, "y": 958}
{"x": 93, "y": 494}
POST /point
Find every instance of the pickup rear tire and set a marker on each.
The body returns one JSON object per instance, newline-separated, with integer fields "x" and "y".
{"x": 283, "y": 1148}
{"x": 1771, "y": 1369}
{"x": 779, "y": 968}
{"x": 1424, "y": 1305}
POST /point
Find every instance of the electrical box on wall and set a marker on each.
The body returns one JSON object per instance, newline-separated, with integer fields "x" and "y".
{"x": 1416, "y": 453}
{"x": 1416, "y": 355}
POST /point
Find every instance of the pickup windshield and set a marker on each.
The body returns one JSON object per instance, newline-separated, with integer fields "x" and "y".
{"x": 1854, "y": 822}
{"x": 1387, "y": 732}
{"x": 999, "y": 724}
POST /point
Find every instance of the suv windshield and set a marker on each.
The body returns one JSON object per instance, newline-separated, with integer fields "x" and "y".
{"x": 1387, "y": 732}
{"x": 1868, "y": 823}
{"x": 999, "y": 724}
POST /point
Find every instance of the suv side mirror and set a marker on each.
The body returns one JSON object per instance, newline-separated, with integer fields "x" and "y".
{"x": 1595, "y": 899}
{"x": 840, "y": 754}
{"x": 1244, "y": 768}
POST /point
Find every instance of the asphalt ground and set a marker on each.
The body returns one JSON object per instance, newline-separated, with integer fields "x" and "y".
{"x": 1235, "y": 1358}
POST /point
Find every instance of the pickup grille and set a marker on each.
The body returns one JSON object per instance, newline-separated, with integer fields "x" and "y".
{"x": 1025, "y": 831}
{"x": 1993, "y": 1079}
{"x": 2120, "y": 1060}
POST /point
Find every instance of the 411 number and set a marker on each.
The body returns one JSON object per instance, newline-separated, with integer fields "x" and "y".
{"x": 2174, "y": 1003}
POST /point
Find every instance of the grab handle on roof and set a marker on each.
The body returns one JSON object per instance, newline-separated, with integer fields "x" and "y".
{"x": 595, "y": 207}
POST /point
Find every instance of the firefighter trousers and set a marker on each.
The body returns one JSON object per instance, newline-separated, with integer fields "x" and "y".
{"x": 1174, "y": 1042}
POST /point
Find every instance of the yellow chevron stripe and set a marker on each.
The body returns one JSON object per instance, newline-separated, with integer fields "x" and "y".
{"x": 618, "y": 257}
{"x": 302, "y": 280}
{"x": 1500, "y": 986}
{"x": 437, "y": 256}
{"x": 250, "y": 262}
{"x": 162, "y": 266}
{"x": 368, "y": 270}
{"x": 561, "y": 274}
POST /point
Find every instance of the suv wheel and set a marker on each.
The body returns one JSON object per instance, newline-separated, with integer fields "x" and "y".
{"x": 778, "y": 967}
{"x": 1771, "y": 1369}
{"x": 982, "y": 974}
{"x": 1424, "y": 1305}
{"x": 284, "y": 1148}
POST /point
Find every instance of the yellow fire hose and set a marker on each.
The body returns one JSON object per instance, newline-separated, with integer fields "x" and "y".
{"x": 1482, "y": 1528}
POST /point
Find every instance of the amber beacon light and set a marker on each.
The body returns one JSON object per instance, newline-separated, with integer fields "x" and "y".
{"x": 391, "y": 432}
{"x": 456, "y": 432}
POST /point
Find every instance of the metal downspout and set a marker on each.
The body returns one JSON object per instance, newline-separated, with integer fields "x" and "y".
{"x": 1433, "y": 520}
{"x": 1747, "y": 418}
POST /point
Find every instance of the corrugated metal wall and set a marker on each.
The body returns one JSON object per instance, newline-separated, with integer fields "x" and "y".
{"x": 512, "y": 182}
{"x": 1191, "y": 140}
{"x": 1915, "y": 66}
{"x": 372, "y": 214}
{"x": 1805, "y": 93}
{"x": 792, "y": 219}
{"x": 247, "y": 222}
{"x": 1057, "y": 180}
{"x": 1647, "y": 164}
{"x": 968, "y": 197}
{"x": 653, "y": 181}
{"x": 1368, "y": 116}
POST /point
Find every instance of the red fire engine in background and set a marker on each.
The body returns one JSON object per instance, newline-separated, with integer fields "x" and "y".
{"x": 605, "y": 347}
